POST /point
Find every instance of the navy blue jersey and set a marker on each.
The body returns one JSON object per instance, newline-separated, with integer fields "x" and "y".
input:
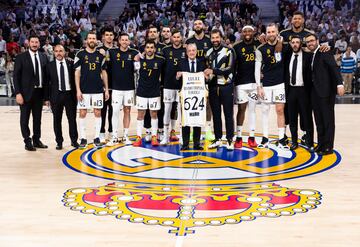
{"x": 91, "y": 66}
{"x": 172, "y": 57}
{"x": 245, "y": 62}
{"x": 108, "y": 69}
{"x": 272, "y": 70}
{"x": 122, "y": 66}
{"x": 150, "y": 74}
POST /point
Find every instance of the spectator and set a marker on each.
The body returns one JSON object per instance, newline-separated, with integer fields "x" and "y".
{"x": 2, "y": 45}
{"x": 341, "y": 44}
{"x": 348, "y": 68}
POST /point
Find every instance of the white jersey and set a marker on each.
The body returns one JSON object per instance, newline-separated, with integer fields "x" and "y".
{"x": 193, "y": 99}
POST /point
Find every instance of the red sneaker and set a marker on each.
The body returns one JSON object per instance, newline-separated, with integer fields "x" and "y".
{"x": 154, "y": 141}
{"x": 173, "y": 136}
{"x": 252, "y": 143}
{"x": 238, "y": 142}
{"x": 138, "y": 142}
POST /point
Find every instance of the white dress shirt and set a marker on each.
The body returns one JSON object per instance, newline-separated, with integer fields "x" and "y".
{"x": 66, "y": 72}
{"x": 299, "y": 69}
{"x": 32, "y": 55}
{"x": 190, "y": 64}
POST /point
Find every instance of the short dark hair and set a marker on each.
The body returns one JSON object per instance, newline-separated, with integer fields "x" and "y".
{"x": 312, "y": 34}
{"x": 91, "y": 32}
{"x": 33, "y": 36}
{"x": 109, "y": 29}
{"x": 215, "y": 31}
{"x": 123, "y": 34}
{"x": 149, "y": 41}
{"x": 174, "y": 31}
{"x": 295, "y": 37}
{"x": 298, "y": 13}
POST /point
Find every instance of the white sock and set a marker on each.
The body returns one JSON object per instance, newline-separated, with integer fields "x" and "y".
{"x": 252, "y": 117}
{"x": 239, "y": 131}
{"x": 167, "y": 112}
{"x": 139, "y": 126}
{"x": 82, "y": 128}
{"x": 126, "y": 132}
{"x": 173, "y": 124}
{"x": 154, "y": 126}
{"x": 265, "y": 119}
{"x": 97, "y": 127}
{"x": 166, "y": 131}
{"x": 281, "y": 133}
{"x": 208, "y": 126}
{"x": 147, "y": 130}
{"x": 115, "y": 120}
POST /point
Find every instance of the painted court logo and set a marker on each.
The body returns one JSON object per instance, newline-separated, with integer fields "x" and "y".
{"x": 186, "y": 190}
{"x": 167, "y": 164}
{"x": 188, "y": 208}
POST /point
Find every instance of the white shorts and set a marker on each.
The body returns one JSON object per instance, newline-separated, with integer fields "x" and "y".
{"x": 274, "y": 94}
{"x": 89, "y": 101}
{"x": 123, "y": 98}
{"x": 171, "y": 95}
{"x": 245, "y": 92}
{"x": 153, "y": 104}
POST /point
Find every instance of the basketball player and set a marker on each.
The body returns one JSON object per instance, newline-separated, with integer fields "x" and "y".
{"x": 108, "y": 37}
{"x": 153, "y": 34}
{"x": 122, "y": 62}
{"x": 203, "y": 44}
{"x": 271, "y": 88}
{"x": 172, "y": 54}
{"x": 148, "y": 91}
{"x": 91, "y": 79}
{"x": 245, "y": 86}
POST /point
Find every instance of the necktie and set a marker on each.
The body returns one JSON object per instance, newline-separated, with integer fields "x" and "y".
{"x": 62, "y": 77}
{"x": 293, "y": 72}
{"x": 192, "y": 69}
{"x": 37, "y": 77}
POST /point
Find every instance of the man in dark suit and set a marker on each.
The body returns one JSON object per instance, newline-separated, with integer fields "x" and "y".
{"x": 326, "y": 82}
{"x": 31, "y": 90}
{"x": 62, "y": 92}
{"x": 297, "y": 90}
{"x": 193, "y": 65}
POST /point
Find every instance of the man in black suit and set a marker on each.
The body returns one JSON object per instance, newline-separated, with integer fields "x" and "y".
{"x": 297, "y": 90}
{"x": 193, "y": 65}
{"x": 31, "y": 90}
{"x": 62, "y": 92}
{"x": 326, "y": 82}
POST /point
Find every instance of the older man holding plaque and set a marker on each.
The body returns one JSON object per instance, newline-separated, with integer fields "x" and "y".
{"x": 193, "y": 100}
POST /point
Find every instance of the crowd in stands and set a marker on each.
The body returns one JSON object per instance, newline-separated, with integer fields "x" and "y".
{"x": 67, "y": 22}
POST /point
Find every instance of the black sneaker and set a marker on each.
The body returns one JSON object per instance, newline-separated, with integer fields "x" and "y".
{"x": 283, "y": 143}
{"x": 97, "y": 142}
{"x": 264, "y": 143}
{"x": 83, "y": 144}
{"x": 303, "y": 140}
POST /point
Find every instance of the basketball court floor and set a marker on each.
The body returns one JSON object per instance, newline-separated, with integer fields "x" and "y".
{"x": 126, "y": 196}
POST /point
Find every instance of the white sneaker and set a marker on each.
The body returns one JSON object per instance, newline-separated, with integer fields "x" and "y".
{"x": 160, "y": 136}
{"x": 112, "y": 142}
{"x": 215, "y": 144}
{"x": 223, "y": 138}
{"x": 230, "y": 145}
{"x": 127, "y": 141}
{"x": 102, "y": 137}
{"x": 148, "y": 137}
{"x": 110, "y": 135}
{"x": 165, "y": 141}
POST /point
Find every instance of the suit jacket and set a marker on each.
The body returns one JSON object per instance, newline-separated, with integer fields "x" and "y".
{"x": 53, "y": 79}
{"x": 24, "y": 75}
{"x": 306, "y": 69}
{"x": 325, "y": 74}
{"x": 185, "y": 67}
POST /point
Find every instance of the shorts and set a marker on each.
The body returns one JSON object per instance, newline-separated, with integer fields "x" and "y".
{"x": 274, "y": 94}
{"x": 152, "y": 104}
{"x": 94, "y": 100}
{"x": 123, "y": 98}
{"x": 245, "y": 92}
{"x": 171, "y": 95}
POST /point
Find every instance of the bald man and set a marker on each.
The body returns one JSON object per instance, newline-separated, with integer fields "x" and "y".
{"x": 62, "y": 92}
